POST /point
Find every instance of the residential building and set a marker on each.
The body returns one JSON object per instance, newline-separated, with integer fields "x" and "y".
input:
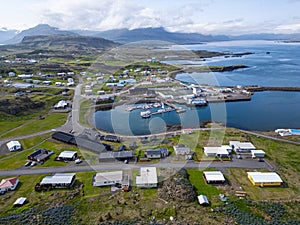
{"x": 107, "y": 156}
{"x": 213, "y": 177}
{"x": 115, "y": 178}
{"x": 264, "y": 179}
{"x": 112, "y": 138}
{"x": 14, "y": 146}
{"x": 182, "y": 149}
{"x": 147, "y": 178}
{"x": 8, "y": 184}
{"x": 67, "y": 156}
{"x": 40, "y": 155}
{"x": 58, "y": 180}
{"x": 258, "y": 153}
{"x": 157, "y": 153}
{"x": 242, "y": 146}
{"x": 216, "y": 151}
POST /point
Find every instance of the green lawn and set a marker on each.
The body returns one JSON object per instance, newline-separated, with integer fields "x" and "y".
{"x": 84, "y": 113}
{"x": 51, "y": 121}
{"x": 5, "y": 126}
{"x": 196, "y": 178}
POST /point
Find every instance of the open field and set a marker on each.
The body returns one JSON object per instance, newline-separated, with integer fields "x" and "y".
{"x": 51, "y": 121}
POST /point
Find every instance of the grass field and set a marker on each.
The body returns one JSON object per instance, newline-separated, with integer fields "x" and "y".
{"x": 51, "y": 121}
{"x": 6, "y": 126}
{"x": 196, "y": 178}
{"x": 84, "y": 113}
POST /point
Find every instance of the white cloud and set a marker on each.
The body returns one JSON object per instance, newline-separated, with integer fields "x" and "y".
{"x": 190, "y": 16}
{"x": 288, "y": 28}
{"x": 100, "y": 15}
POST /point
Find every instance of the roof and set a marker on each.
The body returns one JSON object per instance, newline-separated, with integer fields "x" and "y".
{"x": 242, "y": 145}
{"x": 115, "y": 154}
{"x": 214, "y": 176}
{"x": 265, "y": 177}
{"x": 59, "y": 178}
{"x": 61, "y": 136}
{"x": 148, "y": 175}
{"x": 67, "y": 154}
{"x": 153, "y": 151}
{"x": 82, "y": 142}
{"x": 258, "y": 152}
{"x": 109, "y": 176}
{"x": 11, "y": 144}
{"x": 40, "y": 154}
{"x": 20, "y": 201}
{"x": 216, "y": 150}
{"x": 202, "y": 199}
{"x": 8, "y": 182}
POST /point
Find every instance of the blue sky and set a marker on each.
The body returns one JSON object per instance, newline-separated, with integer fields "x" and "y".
{"x": 201, "y": 16}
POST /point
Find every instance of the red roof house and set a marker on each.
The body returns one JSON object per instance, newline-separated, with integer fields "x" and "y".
{"x": 8, "y": 184}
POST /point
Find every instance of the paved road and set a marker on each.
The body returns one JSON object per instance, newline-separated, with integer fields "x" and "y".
{"x": 270, "y": 137}
{"x": 249, "y": 164}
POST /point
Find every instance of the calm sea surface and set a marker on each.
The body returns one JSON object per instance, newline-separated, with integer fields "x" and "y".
{"x": 266, "y": 110}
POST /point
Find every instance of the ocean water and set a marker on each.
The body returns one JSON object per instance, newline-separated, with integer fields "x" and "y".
{"x": 266, "y": 111}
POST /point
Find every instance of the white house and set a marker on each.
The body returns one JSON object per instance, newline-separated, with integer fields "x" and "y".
{"x": 216, "y": 151}
{"x": 108, "y": 178}
{"x": 147, "y": 178}
{"x": 59, "y": 180}
{"x": 214, "y": 177}
{"x": 14, "y": 146}
{"x": 11, "y": 74}
{"x": 182, "y": 149}
{"x": 258, "y": 153}
{"x": 67, "y": 155}
{"x": 8, "y": 184}
{"x": 242, "y": 146}
{"x": 62, "y": 104}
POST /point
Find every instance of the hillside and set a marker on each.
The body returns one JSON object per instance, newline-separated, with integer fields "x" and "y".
{"x": 125, "y": 36}
{"x": 41, "y": 29}
{"x": 72, "y": 42}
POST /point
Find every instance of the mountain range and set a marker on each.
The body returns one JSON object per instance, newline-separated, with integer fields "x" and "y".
{"x": 126, "y": 35}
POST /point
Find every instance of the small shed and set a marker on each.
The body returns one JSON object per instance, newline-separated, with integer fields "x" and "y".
{"x": 14, "y": 146}
{"x": 202, "y": 199}
{"x": 19, "y": 202}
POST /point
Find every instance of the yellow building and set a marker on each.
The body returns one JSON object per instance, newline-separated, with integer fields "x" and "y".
{"x": 264, "y": 179}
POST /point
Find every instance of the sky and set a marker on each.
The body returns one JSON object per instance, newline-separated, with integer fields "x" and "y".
{"x": 233, "y": 17}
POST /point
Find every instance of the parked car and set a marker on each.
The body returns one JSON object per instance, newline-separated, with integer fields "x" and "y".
{"x": 28, "y": 163}
{"x": 33, "y": 164}
{"x": 77, "y": 161}
{"x": 238, "y": 156}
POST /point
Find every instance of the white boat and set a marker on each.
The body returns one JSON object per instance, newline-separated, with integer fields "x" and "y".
{"x": 145, "y": 114}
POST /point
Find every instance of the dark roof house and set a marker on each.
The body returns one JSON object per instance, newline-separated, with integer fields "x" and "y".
{"x": 40, "y": 155}
{"x": 116, "y": 156}
{"x": 157, "y": 153}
